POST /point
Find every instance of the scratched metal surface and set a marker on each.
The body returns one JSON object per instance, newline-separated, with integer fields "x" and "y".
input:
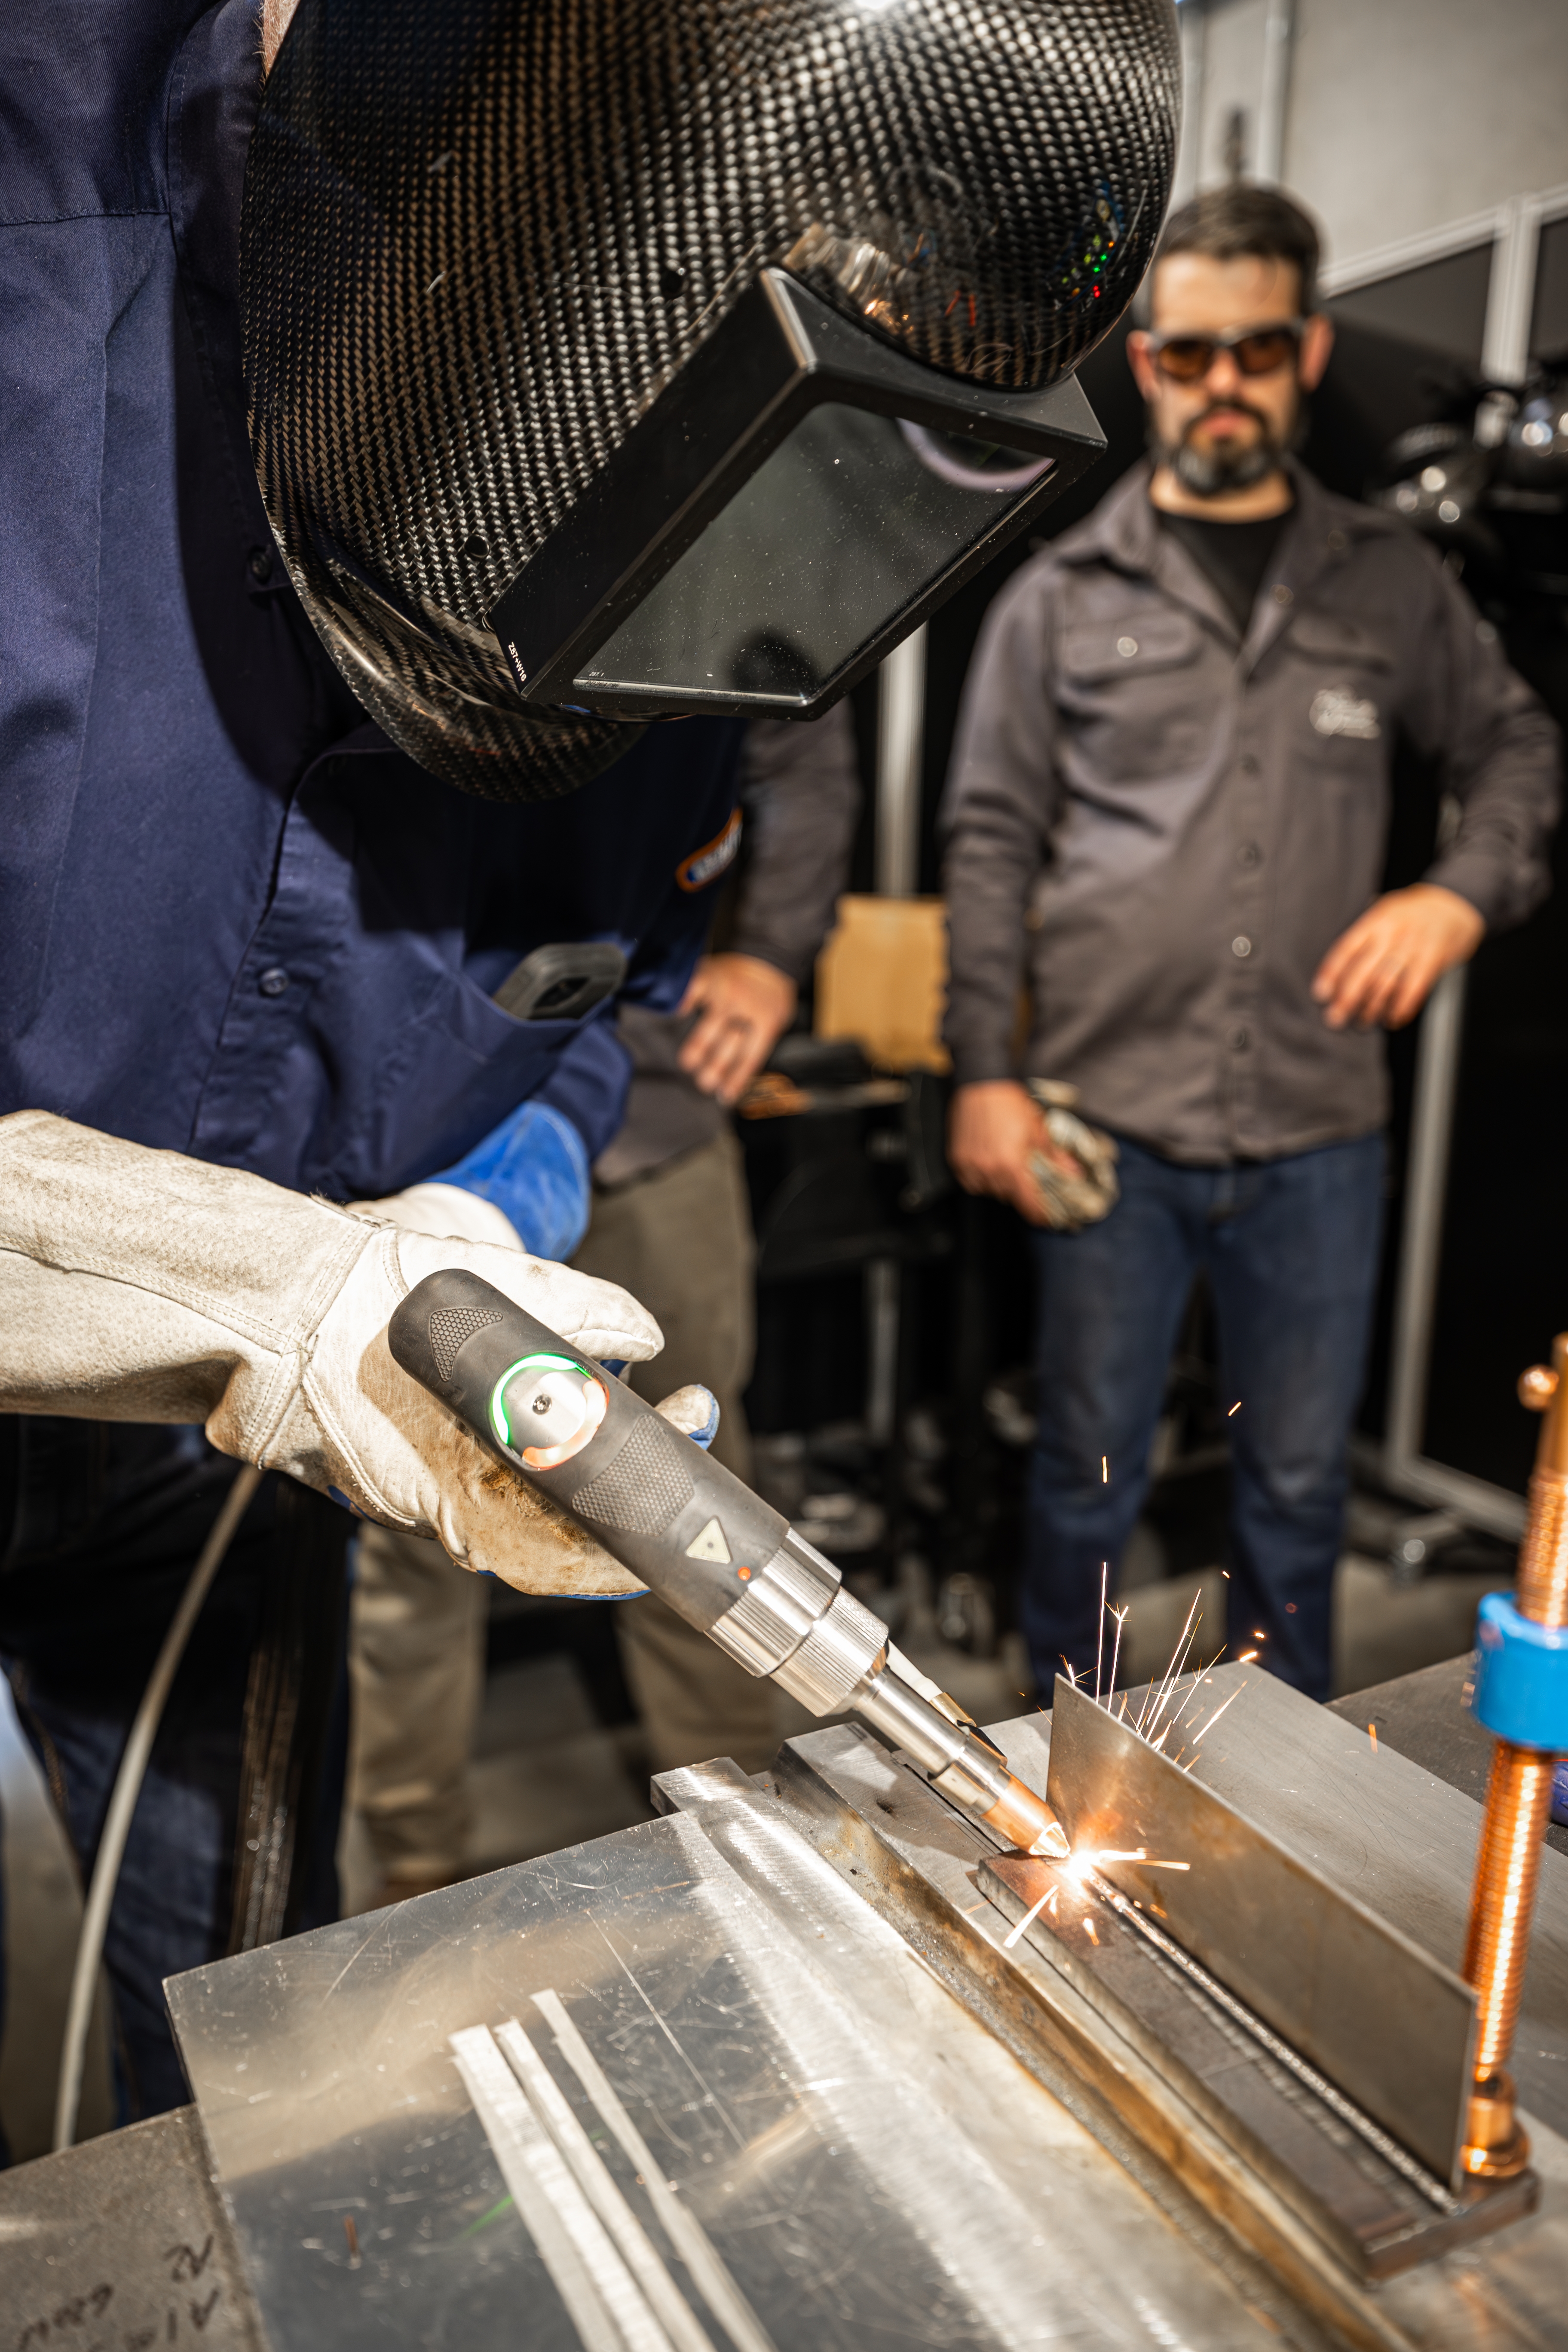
{"x": 120, "y": 2245}
{"x": 868, "y": 2162}
{"x": 1389, "y": 1832}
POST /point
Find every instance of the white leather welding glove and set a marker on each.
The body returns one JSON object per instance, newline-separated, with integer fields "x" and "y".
{"x": 142, "y": 1286}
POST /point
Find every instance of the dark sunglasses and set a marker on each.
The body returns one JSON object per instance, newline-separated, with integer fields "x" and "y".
{"x": 1257, "y": 351}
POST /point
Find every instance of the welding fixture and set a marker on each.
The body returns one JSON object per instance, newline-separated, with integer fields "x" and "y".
{"x": 716, "y": 1553}
{"x": 1521, "y": 1694}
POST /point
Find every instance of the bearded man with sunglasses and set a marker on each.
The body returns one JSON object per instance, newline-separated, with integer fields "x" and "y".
{"x": 1168, "y": 813}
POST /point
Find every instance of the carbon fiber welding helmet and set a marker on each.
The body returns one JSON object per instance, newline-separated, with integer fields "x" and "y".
{"x": 611, "y": 359}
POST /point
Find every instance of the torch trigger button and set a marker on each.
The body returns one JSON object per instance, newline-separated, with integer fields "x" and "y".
{"x": 710, "y": 1545}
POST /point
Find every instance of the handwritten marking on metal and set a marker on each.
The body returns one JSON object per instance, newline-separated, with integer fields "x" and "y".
{"x": 1356, "y": 1998}
{"x": 603, "y": 2300}
{"x": 680, "y": 2225}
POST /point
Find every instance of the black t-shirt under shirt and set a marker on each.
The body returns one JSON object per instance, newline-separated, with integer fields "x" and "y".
{"x": 1234, "y": 555}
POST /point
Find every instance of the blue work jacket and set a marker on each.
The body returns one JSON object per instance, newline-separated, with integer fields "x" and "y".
{"x": 234, "y": 920}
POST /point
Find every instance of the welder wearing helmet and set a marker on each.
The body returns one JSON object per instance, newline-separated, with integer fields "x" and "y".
{"x": 330, "y": 395}
{"x": 1168, "y": 808}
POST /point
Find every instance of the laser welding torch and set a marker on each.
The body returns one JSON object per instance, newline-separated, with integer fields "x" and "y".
{"x": 679, "y": 1520}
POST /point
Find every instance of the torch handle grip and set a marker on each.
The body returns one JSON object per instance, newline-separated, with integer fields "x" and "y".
{"x": 671, "y": 1515}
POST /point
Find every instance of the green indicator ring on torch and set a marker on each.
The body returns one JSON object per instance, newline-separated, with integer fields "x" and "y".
{"x": 499, "y": 1421}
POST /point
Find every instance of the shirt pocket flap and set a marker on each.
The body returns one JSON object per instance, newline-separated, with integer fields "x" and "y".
{"x": 1093, "y": 650}
{"x": 1333, "y": 637}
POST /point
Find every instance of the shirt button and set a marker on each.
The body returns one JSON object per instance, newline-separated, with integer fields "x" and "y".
{"x": 1249, "y": 854}
{"x": 1240, "y": 946}
{"x": 260, "y": 563}
{"x": 1281, "y": 594}
{"x": 273, "y": 980}
{"x": 1126, "y": 647}
{"x": 1238, "y": 1041}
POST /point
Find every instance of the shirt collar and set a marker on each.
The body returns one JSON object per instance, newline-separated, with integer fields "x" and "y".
{"x": 1124, "y": 529}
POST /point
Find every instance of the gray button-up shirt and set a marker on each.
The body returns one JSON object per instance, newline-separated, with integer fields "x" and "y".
{"x": 1163, "y": 829}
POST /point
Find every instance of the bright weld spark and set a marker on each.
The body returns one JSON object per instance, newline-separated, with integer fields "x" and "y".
{"x": 1372, "y": 1735}
{"x": 1121, "y": 1617}
{"x": 1197, "y": 1685}
{"x": 1099, "y": 1644}
{"x": 1089, "y": 1931}
{"x": 1104, "y": 1471}
{"x": 1235, "y": 1408}
{"x": 1218, "y": 1712}
{"x": 1028, "y": 1919}
{"x": 1246, "y": 1657}
{"x": 1174, "y": 1672}
{"x": 1091, "y": 1856}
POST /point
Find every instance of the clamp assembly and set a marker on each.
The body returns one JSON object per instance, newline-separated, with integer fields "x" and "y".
{"x": 1521, "y": 1696}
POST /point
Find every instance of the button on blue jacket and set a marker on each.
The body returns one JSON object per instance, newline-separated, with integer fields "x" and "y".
{"x": 233, "y": 922}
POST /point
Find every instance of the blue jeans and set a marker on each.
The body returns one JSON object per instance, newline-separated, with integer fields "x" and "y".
{"x": 104, "y": 1523}
{"x": 1290, "y": 1250}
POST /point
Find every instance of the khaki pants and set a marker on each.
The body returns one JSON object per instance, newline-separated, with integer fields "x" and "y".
{"x": 680, "y": 1240}
{"x": 416, "y": 1664}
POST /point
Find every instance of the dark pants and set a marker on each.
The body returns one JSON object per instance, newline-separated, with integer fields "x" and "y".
{"x": 105, "y": 1522}
{"x": 1290, "y": 1250}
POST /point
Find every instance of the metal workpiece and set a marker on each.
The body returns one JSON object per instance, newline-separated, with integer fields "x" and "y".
{"x": 1289, "y": 2190}
{"x": 1385, "y": 2021}
{"x": 717, "y": 2024}
{"x": 1519, "y": 1794}
{"x": 786, "y": 2071}
{"x": 920, "y": 1862}
{"x": 1375, "y": 2208}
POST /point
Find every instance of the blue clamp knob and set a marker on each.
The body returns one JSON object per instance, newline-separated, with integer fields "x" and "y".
{"x": 1522, "y": 1677}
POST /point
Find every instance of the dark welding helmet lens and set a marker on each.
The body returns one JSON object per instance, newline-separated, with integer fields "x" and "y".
{"x": 833, "y": 537}
{"x": 780, "y": 518}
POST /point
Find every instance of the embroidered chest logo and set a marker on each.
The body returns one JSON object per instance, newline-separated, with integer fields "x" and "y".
{"x": 1337, "y": 711}
{"x": 706, "y": 864}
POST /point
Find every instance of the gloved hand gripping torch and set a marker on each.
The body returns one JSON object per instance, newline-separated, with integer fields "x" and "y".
{"x": 717, "y": 1554}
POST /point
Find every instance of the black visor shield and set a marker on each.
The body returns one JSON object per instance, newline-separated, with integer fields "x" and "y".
{"x": 607, "y": 362}
{"x": 798, "y": 501}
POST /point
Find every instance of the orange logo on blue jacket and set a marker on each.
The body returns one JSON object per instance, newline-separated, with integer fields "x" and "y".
{"x": 706, "y": 864}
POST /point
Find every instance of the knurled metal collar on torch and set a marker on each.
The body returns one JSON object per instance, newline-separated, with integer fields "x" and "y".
{"x": 1521, "y": 1694}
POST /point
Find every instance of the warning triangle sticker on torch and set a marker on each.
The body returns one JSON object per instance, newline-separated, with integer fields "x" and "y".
{"x": 710, "y": 1545}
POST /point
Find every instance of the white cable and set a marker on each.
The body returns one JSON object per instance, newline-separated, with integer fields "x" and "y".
{"x": 122, "y": 1804}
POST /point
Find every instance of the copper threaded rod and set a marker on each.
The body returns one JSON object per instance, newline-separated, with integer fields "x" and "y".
{"x": 1518, "y": 1802}
{"x": 1543, "y": 1587}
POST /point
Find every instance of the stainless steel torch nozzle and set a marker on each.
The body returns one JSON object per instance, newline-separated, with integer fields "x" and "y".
{"x": 959, "y": 1763}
